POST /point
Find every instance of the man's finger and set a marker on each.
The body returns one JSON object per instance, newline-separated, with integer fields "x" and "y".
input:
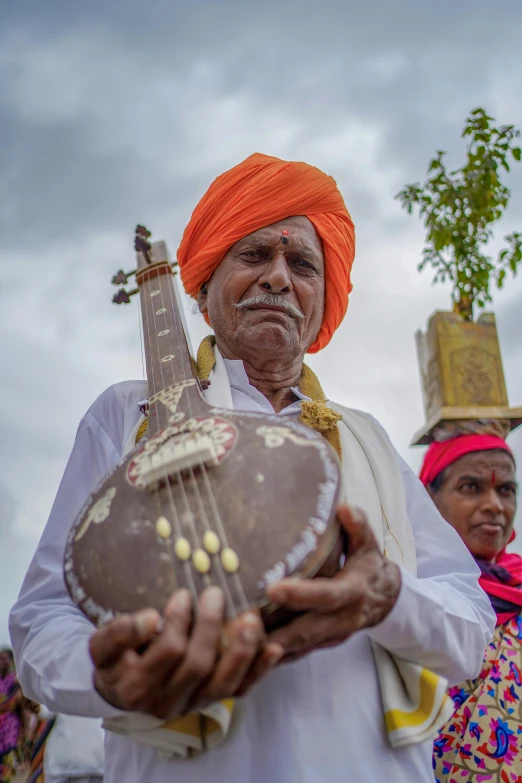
{"x": 124, "y": 633}
{"x": 245, "y": 636}
{"x": 201, "y": 653}
{"x": 308, "y": 632}
{"x": 266, "y": 660}
{"x": 167, "y": 650}
{"x": 355, "y": 523}
{"x": 319, "y": 595}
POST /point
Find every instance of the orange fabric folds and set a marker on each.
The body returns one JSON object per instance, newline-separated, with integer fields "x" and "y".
{"x": 263, "y": 190}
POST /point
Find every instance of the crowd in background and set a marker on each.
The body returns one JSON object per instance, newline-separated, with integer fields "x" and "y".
{"x": 19, "y": 721}
{"x": 37, "y": 746}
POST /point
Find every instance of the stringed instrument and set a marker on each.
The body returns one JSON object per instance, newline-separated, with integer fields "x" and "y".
{"x": 209, "y": 496}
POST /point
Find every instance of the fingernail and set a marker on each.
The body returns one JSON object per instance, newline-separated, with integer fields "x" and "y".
{"x": 224, "y": 643}
{"x": 276, "y": 593}
{"x": 276, "y": 653}
{"x": 279, "y": 591}
{"x": 147, "y": 622}
{"x": 250, "y": 626}
{"x": 181, "y": 601}
{"x": 213, "y": 599}
{"x": 358, "y": 514}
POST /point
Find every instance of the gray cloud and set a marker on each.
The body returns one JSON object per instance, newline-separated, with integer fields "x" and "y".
{"x": 116, "y": 113}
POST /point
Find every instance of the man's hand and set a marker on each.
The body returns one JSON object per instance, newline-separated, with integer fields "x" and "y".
{"x": 185, "y": 664}
{"x": 361, "y": 595}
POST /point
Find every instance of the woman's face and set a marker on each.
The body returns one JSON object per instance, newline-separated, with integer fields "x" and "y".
{"x": 478, "y": 498}
{"x": 5, "y": 663}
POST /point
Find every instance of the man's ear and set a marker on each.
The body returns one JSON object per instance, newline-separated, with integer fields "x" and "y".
{"x": 202, "y": 299}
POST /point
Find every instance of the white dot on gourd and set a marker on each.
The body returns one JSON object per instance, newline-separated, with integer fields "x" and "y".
{"x": 211, "y": 542}
{"x": 229, "y": 560}
{"x": 182, "y": 548}
{"x": 201, "y": 561}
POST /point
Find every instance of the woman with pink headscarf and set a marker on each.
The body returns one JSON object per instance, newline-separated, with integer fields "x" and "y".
{"x": 471, "y": 479}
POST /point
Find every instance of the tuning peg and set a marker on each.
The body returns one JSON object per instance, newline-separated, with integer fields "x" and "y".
{"x": 123, "y": 296}
{"x": 122, "y": 277}
{"x": 141, "y": 242}
{"x": 141, "y": 245}
{"x": 142, "y": 231}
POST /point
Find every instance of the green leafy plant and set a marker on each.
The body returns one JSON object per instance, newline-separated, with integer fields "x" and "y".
{"x": 459, "y": 208}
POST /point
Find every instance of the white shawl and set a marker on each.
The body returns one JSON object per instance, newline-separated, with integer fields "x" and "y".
{"x": 414, "y": 700}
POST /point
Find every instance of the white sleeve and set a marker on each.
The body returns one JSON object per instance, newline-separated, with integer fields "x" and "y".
{"x": 49, "y": 634}
{"x": 442, "y": 619}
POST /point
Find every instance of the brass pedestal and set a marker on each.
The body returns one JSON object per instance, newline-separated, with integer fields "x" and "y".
{"x": 461, "y": 372}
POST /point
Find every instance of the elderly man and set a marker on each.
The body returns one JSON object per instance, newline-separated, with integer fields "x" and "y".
{"x": 354, "y": 687}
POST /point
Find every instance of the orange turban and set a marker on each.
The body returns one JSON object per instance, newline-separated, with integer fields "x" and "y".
{"x": 258, "y": 192}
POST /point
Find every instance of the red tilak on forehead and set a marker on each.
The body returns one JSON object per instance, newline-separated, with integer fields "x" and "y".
{"x": 493, "y": 477}
{"x": 284, "y": 237}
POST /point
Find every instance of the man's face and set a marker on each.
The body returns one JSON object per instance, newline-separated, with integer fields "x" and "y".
{"x": 479, "y": 499}
{"x": 260, "y": 264}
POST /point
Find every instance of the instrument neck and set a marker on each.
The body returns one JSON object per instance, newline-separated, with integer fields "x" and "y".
{"x": 171, "y": 371}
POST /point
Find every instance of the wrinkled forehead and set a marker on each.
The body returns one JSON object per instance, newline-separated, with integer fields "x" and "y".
{"x": 483, "y": 464}
{"x": 300, "y": 231}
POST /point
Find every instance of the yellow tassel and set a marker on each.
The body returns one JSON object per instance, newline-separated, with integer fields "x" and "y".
{"x": 317, "y": 415}
{"x": 314, "y": 413}
{"x": 206, "y": 359}
{"x": 142, "y": 429}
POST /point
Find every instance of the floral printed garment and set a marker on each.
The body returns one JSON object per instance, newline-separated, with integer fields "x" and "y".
{"x": 483, "y": 740}
{"x": 9, "y": 730}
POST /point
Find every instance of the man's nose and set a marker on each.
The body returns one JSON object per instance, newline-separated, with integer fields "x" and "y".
{"x": 493, "y": 502}
{"x": 276, "y": 276}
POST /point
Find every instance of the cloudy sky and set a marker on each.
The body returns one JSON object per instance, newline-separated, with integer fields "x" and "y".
{"x": 114, "y": 113}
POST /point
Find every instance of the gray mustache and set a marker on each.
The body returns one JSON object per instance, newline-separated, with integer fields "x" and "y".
{"x": 274, "y": 300}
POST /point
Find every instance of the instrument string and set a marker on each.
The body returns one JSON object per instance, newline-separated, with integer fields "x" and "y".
{"x": 162, "y": 412}
{"x": 189, "y": 516}
{"x": 140, "y": 318}
{"x": 244, "y": 605}
{"x": 203, "y": 517}
{"x": 223, "y": 576}
{"x": 148, "y": 302}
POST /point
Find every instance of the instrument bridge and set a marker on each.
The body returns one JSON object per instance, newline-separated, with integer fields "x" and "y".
{"x": 179, "y": 453}
{"x": 200, "y": 442}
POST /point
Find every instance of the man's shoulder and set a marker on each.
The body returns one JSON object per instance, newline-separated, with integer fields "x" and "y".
{"x": 365, "y": 425}
{"x": 118, "y": 397}
{"x": 116, "y": 410}
{"x": 357, "y": 415}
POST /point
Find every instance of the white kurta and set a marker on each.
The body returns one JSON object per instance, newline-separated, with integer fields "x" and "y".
{"x": 74, "y": 749}
{"x": 317, "y": 719}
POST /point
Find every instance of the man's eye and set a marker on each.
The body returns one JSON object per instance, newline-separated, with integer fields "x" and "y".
{"x": 469, "y": 486}
{"x": 302, "y": 264}
{"x": 508, "y": 492}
